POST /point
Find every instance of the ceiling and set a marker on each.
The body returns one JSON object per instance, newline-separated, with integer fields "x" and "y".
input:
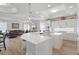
{"x": 20, "y": 11}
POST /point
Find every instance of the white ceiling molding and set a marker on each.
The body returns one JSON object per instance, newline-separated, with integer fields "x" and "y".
{"x": 7, "y": 8}
{"x": 61, "y": 10}
{"x": 3, "y": 4}
{"x": 71, "y": 8}
{"x": 39, "y": 11}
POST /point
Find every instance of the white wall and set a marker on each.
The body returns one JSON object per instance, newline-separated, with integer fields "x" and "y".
{"x": 9, "y": 25}
{"x": 21, "y": 24}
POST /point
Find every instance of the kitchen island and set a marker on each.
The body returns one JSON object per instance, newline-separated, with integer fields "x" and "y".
{"x": 37, "y": 44}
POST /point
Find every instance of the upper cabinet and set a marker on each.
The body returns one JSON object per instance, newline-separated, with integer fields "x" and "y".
{"x": 64, "y": 23}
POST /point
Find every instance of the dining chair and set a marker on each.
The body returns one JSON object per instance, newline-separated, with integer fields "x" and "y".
{"x": 2, "y": 41}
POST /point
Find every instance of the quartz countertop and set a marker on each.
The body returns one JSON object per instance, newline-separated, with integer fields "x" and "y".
{"x": 35, "y": 37}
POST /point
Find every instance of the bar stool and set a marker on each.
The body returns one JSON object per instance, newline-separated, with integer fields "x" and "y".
{"x": 2, "y": 41}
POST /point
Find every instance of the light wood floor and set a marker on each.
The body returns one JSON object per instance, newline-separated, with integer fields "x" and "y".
{"x": 14, "y": 47}
{"x": 68, "y": 48}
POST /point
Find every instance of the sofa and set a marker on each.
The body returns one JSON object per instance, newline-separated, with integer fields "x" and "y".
{"x": 14, "y": 33}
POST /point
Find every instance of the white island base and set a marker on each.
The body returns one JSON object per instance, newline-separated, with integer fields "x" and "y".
{"x": 37, "y": 44}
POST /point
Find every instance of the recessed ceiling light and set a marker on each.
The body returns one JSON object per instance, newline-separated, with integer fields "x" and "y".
{"x": 29, "y": 18}
{"x": 49, "y": 5}
{"x": 70, "y": 6}
{"x": 54, "y": 10}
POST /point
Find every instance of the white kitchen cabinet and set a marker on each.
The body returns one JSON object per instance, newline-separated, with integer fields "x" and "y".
{"x": 64, "y": 23}
{"x": 57, "y": 40}
{"x": 78, "y": 45}
{"x": 67, "y": 27}
{"x": 78, "y": 36}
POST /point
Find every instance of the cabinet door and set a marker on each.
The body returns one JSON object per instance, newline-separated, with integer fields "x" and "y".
{"x": 69, "y": 23}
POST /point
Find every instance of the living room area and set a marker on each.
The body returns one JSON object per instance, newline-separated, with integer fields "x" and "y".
{"x": 12, "y": 43}
{"x": 13, "y": 24}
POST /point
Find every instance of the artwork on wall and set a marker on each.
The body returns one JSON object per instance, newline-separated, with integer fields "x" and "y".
{"x": 15, "y": 25}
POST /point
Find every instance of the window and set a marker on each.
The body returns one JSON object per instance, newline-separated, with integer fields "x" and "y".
{"x": 3, "y": 26}
{"x": 26, "y": 26}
